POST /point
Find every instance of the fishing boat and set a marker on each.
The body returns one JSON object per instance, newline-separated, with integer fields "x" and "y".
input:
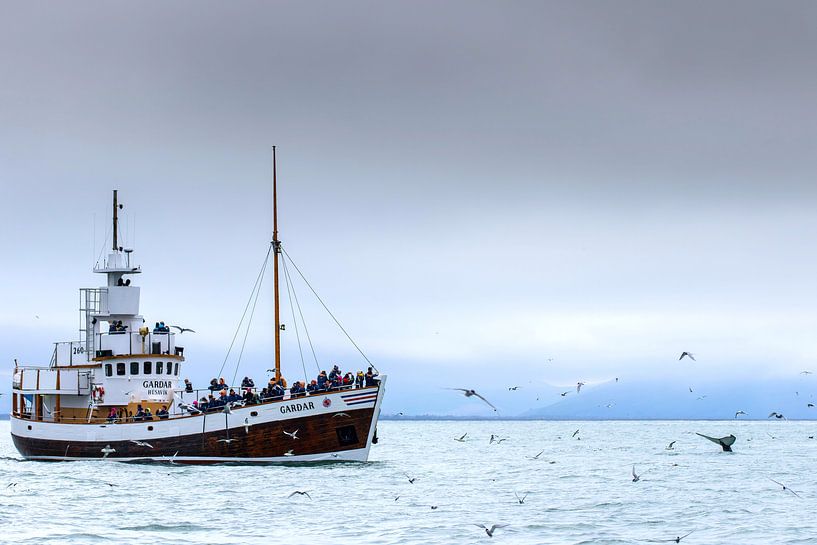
{"x": 115, "y": 394}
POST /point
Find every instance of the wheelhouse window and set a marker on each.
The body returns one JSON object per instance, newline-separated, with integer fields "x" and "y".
{"x": 108, "y": 370}
{"x": 170, "y": 368}
{"x": 146, "y": 367}
{"x": 120, "y": 368}
{"x": 134, "y": 368}
{"x": 160, "y": 367}
{"x": 177, "y": 369}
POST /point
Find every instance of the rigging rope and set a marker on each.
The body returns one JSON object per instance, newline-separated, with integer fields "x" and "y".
{"x": 249, "y": 321}
{"x": 290, "y": 289}
{"x": 300, "y": 312}
{"x": 237, "y": 329}
{"x": 327, "y": 309}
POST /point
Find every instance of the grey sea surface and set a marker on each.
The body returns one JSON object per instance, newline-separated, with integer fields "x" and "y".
{"x": 579, "y": 490}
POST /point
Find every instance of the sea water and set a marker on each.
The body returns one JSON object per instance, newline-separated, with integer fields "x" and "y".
{"x": 579, "y": 489}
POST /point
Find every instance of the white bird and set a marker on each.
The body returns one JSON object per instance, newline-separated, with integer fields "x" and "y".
{"x": 289, "y": 453}
{"x": 687, "y": 354}
{"x": 292, "y": 434}
{"x": 227, "y": 410}
{"x": 776, "y": 415}
{"x": 522, "y": 499}
{"x": 537, "y": 456}
{"x": 107, "y": 450}
{"x": 739, "y": 413}
{"x": 341, "y": 414}
{"x": 636, "y": 477}
{"x": 469, "y": 393}
{"x": 579, "y": 387}
{"x": 490, "y": 531}
{"x": 228, "y": 441}
{"x": 461, "y": 439}
{"x": 182, "y": 329}
{"x": 670, "y": 446}
{"x": 300, "y": 493}
{"x": 141, "y": 444}
{"x": 786, "y": 488}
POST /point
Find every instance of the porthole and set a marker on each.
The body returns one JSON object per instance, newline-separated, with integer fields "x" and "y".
{"x": 347, "y": 435}
{"x": 29, "y": 426}
{"x": 150, "y": 428}
{"x": 253, "y": 413}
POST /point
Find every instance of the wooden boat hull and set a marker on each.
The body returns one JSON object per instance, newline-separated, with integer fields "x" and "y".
{"x": 337, "y": 426}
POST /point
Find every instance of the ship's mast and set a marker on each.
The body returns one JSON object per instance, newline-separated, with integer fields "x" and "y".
{"x": 115, "y": 221}
{"x": 276, "y": 246}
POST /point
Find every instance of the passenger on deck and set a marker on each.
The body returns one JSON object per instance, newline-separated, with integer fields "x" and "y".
{"x": 112, "y": 415}
{"x": 188, "y": 386}
{"x": 162, "y": 413}
{"x": 249, "y": 398}
{"x": 312, "y": 387}
{"x": 148, "y": 415}
{"x": 334, "y": 372}
{"x": 278, "y": 392}
{"x": 156, "y": 328}
{"x": 348, "y": 380}
{"x": 131, "y": 418}
{"x": 264, "y": 395}
{"x": 120, "y": 282}
{"x": 247, "y": 383}
{"x": 221, "y": 384}
{"x": 359, "y": 379}
{"x": 233, "y": 397}
{"x": 214, "y": 385}
{"x": 140, "y": 414}
{"x": 323, "y": 382}
{"x": 297, "y": 390}
{"x": 370, "y": 377}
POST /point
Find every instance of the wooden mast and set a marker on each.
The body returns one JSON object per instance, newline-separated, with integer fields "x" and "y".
{"x": 276, "y": 247}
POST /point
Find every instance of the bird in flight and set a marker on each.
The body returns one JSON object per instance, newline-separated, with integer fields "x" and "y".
{"x": 579, "y": 387}
{"x": 490, "y": 531}
{"x": 564, "y": 393}
{"x": 343, "y": 415}
{"x": 776, "y": 415}
{"x": 636, "y": 477}
{"x": 687, "y": 354}
{"x": 107, "y": 450}
{"x": 292, "y": 434}
{"x": 410, "y": 479}
{"x": 182, "y": 329}
{"x": 300, "y": 493}
{"x": 461, "y": 439}
{"x": 289, "y": 453}
{"x": 785, "y": 487}
{"x": 670, "y": 446}
{"x": 537, "y": 456}
{"x": 575, "y": 433}
{"x": 739, "y": 413}
{"x": 673, "y": 540}
{"x": 810, "y": 405}
{"x": 805, "y": 372}
{"x": 141, "y": 444}
{"x": 470, "y": 393}
{"x": 522, "y": 499}
{"x": 228, "y": 441}
{"x": 513, "y": 388}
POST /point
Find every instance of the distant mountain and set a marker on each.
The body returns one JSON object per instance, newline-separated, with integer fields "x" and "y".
{"x": 673, "y": 400}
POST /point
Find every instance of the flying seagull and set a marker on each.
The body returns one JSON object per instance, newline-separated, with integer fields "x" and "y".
{"x": 107, "y": 450}
{"x": 336, "y": 415}
{"x": 564, "y": 393}
{"x": 300, "y": 493}
{"x": 182, "y": 329}
{"x": 805, "y": 372}
{"x": 739, "y": 413}
{"x": 228, "y": 441}
{"x": 461, "y": 439}
{"x": 141, "y": 443}
{"x": 579, "y": 387}
{"x": 725, "y": 442}
{"x": 490, "y": 531}
{"x": 575, "y": 433}
{"x": 810, "y": 405}
{"x": 522, "y": 499}
{"x": 687, "y": 354}
{"x": 469, "y": 393}
{"x": 513, "y": 388}
{"x": 776, "y": 415}
{"x": 673, "y": 540}
{"x": 785, "y": 487}
{"x": 410, "y": 479}
{"x": 289, "y": 453}
{"x": 292, "y": 434}
{"x": 537, "y": 456}
{"x": 636, "y": 477}
{"x": 670, "y": 446}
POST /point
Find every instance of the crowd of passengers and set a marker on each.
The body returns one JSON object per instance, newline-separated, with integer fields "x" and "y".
{"x": 221, "y": 394}
{"x": 142, "y": 414}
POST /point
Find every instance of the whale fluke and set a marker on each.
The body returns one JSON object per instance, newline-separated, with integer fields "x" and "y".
{"x": 725, "y": 442}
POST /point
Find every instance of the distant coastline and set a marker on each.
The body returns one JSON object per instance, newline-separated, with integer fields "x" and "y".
{"x": 430, "y": 417}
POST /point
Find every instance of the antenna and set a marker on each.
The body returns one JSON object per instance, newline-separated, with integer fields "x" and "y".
{"x": 115, "y": 219}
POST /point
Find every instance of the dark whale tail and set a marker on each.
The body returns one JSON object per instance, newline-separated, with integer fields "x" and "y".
{"x": 725, "y": 442}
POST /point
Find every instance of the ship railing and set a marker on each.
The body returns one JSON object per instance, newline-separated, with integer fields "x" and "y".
{"x": 117, "y": 343}
{"x": 68, "y": 353}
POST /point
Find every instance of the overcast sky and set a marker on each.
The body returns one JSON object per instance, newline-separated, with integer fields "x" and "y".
{"x": 473, "y": 187}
